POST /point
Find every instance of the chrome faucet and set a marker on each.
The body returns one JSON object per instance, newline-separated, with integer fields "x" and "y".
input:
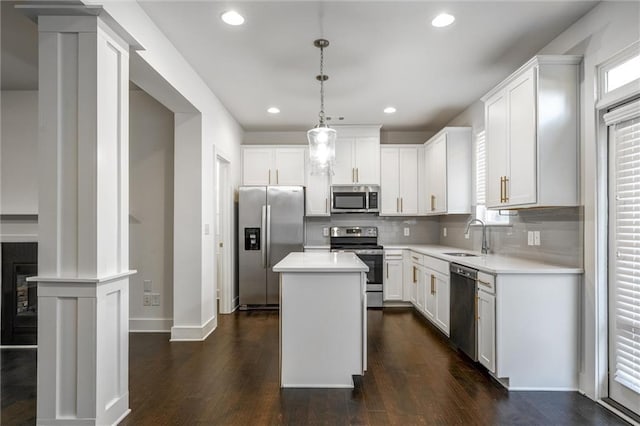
{"x": 485, "y": 246}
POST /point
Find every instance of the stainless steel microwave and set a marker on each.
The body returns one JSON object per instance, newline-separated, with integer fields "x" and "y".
{"x": 355, "y": 199}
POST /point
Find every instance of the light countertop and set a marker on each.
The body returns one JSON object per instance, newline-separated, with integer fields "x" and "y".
{"x": 492, "y": 263}
{"x": 321, "y": 262}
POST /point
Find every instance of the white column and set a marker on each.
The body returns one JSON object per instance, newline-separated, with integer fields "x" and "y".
{"x": 83, "y": 256}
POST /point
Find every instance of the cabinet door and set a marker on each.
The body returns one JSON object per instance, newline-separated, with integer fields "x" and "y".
{"x": 407, "y": 276}
{"x": 393, "y": 280}
{"x": 367, "y": 160}
{"x": 521, "y": 186}
{"x": 487, "y": 330}
{"x": 344, "y": 170}
{"x": 289, "y": 165}
{"x": 389, "y": 173}
{"x": 317, "y": 193}
{"x": 408, "y": 179}
{"x": 496, "y": 148}
{"x": 422, "y": 290}
{"x": 415, "y": 280}
{"x": 430, "y": 294}
{"x": 437, "y": 175}
{"x": 257, "y": 166}
{"x": 442, "y": 291}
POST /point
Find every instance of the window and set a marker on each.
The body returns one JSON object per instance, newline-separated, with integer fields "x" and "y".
{"x": 619, "y": 77}
{"x": 624, "y": 256}
{"x": 489, "y": 217}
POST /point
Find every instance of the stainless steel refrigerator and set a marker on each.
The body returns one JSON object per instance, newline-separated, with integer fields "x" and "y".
{"x": 270, "y": 226}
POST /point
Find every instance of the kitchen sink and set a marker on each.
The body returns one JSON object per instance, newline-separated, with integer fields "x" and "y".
{"x": 460, "y": 254}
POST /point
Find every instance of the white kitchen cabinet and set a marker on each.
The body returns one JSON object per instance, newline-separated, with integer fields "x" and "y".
{"x": 357, "y": 155}
{"x": 399, "y": 180}
{"x": 317, "y": 194}
{"x": 407, "y": 275}
{"x": 422, "y": 296}
{"x": 442, "y": 289}
{"x": 487, "y": 330}
{"x": 430, "y": 295}
{"x": 273, "y": 165}
{"x": 392, "y": 289}
{"x": 531, "y": 123}
{"x": 447, "y": 160}
{"x": 417, "y": 281}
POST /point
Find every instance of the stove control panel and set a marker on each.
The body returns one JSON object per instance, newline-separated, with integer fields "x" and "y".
{"x": 354, "y": 231}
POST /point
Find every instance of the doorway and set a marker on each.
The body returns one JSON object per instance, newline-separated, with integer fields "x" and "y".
{"x": 223, "y": 227}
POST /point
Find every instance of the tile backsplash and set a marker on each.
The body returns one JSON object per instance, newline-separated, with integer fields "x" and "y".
{"x": 560, "y": 235}
{"x": 422, "y": 230}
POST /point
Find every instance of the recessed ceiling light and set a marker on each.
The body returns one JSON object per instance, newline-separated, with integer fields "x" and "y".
{"x": 232, "y": 17}
{"x": 443, "y": 20}
{"x": 389, "y": 110}
{"x": 273, "y": 110}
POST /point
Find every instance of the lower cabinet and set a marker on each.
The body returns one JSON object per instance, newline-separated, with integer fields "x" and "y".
{"x": 407, "y": 276}
{"x": 487, "y": 330}
{"x": 430, "y": 288}
{"x": 393, "y": 284}
{"x": 442, "y": 288}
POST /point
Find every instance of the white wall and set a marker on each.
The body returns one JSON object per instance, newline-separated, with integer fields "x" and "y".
{"x": 19, "y": 191}
{"x": 151, "y": 210}
{"x": 605, "y": 30}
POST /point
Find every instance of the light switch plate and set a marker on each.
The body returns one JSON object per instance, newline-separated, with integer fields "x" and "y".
{"x": 444, "y": 232}
{"x": 530, "y": 238}
{"x": 147, "y": 286}
{"x": 146, "y": 300}
{"x": 536, "y": 238}
{"x": 407, "y": 232}
{"x": 155, "y": 299}
{"x": 325, "y": 232}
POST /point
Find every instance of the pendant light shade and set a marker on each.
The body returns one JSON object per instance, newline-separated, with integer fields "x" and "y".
{"x": 322, "y": 139}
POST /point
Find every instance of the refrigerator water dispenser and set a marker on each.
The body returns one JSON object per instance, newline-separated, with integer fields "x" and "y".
{"x": 252, "y": 238}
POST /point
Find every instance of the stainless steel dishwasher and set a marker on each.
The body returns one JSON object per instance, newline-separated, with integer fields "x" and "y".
{"x": 464, "y": 330}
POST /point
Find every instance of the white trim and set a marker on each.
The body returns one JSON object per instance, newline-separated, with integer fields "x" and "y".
{"x": 83, "y": 280}
{"x": 196, "y": 333}
{"x": 606, "y": 99}
{"x": 617, "y": 412}
{"x": 18, "y": 238}
{"x": 150, "y": 325}
{"x": 18, "y": 346}
{"x": 623, "y": 113}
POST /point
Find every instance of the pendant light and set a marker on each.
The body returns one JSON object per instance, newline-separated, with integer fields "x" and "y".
{"x": 322, "y": 139}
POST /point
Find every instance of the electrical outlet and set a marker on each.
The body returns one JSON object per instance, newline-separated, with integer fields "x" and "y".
{"x": 536, "y": 238}
{"x": 206, "y": 229}
{"x": 444, "y": 232}
{"x": 530, "y": 238}
{"x": 146, "y": 300}
{"x": 407, "y": 232}
{"x": 147, "y": 286}
{"x": 325, "y": 232}
{"x": 155, "y": 299}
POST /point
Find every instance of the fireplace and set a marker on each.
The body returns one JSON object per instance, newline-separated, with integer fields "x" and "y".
{"x": 19, "y": 297}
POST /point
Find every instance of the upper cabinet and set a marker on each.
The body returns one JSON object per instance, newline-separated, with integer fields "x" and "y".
{"x": 357, "y": 155}
{"x": 268, "y": 165}
{"x": 399, "y": 180}
{"x": 531, "y": 125}
{"x": 447, "y": 170}
{"x": 317, "y": 193}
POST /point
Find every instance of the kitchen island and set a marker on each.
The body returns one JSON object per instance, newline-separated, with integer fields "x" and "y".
{"x": 323, "y": 323}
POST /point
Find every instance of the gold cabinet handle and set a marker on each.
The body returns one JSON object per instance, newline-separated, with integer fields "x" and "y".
{"x": 401, "y": 206}
{"x": 277, "y": 176}
{"x": 353, "y": 175}
{"x": 357, "y": 175}
{"x": 506, "y": 189}
{"x": 484, "y": 283}
{"x": 269, "y": 176}
{"x": 502, "y": 189}
{"x": 414, "y": 274}
{"x": 415, "y": 258}
{"x": 387, "y": 271}
{"x": 433, "y": 202}
{"x": 397, "y": 205}
{"x": 326, "y": 205}
{"x": 433, "y": 279}
{"x": 477, "y": 310}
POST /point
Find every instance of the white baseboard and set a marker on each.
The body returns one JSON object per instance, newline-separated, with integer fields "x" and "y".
{"x": 193, "y": 333}
{"x": 150, "y": 325}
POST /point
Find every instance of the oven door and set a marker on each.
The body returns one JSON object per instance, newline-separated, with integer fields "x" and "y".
{"x": 374, "y": 262}
{"x": 348, "y": 202}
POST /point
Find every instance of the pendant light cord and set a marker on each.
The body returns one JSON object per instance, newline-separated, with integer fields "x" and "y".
{"x": 321, "y": 86}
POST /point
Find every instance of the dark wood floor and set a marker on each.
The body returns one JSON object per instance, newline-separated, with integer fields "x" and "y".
{"x": 414, "y": 378}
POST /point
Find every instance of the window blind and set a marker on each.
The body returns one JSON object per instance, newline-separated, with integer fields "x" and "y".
{"x": 481, "y": 169}
{"x": 627, "y": 253}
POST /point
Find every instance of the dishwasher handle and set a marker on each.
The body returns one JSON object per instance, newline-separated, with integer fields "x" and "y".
{"x": 464, "y": 271}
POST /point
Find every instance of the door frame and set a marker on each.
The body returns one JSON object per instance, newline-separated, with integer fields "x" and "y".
{"x": 223, "y": 185}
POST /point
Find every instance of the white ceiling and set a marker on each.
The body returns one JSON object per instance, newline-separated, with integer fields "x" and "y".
{"x": 381, "y": 54}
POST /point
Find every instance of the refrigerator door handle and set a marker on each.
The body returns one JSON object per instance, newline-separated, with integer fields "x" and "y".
{"x": 268, "y": 232}
{"x": 263, "y": 225}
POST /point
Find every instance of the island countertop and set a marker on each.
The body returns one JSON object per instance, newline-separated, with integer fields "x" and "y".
{"x": 321, "y": 262}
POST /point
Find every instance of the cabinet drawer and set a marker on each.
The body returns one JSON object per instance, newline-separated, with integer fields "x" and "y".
{"x": 416, "y": 258}
{"x": 486, "y": 282}
{"x": 393, "y": 254}
{"x": 438, "y": 265}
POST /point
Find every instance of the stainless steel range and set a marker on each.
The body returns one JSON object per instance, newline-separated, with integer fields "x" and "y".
{"x": 363, "y": 241}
